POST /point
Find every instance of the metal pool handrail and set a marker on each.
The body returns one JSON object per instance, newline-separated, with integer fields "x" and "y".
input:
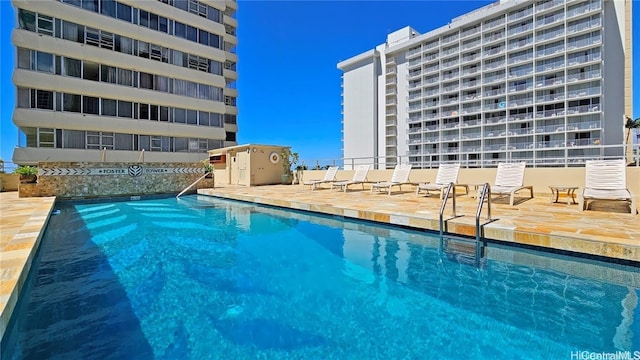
{"x": 444, "y": 204}
{"x": 485, "y": 192}
{"x": 195, "y": 182}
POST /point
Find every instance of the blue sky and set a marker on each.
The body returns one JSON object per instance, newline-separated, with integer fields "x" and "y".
{"x": 288, "y": 85}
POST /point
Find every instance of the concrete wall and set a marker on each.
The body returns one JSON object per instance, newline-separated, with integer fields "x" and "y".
{"x": 9, "y": 182}
{"x": 360, "y": 112}
{"x": 77, "y": 180}
{"x": 539, "y": 178}
{"x": 263, "y": 171}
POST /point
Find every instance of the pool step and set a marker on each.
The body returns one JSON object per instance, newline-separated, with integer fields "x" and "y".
{"x": 462, "y": 250}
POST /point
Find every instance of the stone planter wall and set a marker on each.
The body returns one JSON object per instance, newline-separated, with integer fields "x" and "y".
{"x": 80, "y": 180}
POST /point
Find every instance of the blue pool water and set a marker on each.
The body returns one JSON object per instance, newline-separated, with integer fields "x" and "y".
{"x": 203, "y": 278}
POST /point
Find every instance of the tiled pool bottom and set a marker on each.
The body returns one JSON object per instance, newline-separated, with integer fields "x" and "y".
{"x": 534, "y": 222}
{"x": 236, "y": 281}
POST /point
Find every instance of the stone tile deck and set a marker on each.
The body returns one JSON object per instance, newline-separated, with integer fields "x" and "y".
{"x": 533, "y": 222}
{"x": 22, "y": 222}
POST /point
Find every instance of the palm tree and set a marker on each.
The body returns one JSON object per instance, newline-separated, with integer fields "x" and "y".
{"x": 630, "y": 125}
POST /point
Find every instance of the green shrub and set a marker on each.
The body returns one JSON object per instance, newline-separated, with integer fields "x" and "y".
{"x": 26, "y": 170}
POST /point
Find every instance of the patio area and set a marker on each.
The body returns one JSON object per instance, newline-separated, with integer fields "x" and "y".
{"x": 604, "y": 231}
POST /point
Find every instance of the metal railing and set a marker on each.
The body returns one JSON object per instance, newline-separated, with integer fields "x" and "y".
{"x": 485, "y": 192}
{"x": 631, "y": 153}
{"x": 444, "y": 204}
{"x": 195, "y": 182}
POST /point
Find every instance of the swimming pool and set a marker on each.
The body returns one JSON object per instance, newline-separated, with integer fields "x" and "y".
{"x": 207, "y": 278}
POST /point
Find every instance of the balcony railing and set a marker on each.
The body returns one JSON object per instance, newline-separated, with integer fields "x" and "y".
{"x": 583, "y": 76}
{"x": 583, "y": 9}
{"x": 548, "y": 5}
{"x": 584, "y": 25}
{"x": 549, "y": 19}
{"x": 583, "y": 92}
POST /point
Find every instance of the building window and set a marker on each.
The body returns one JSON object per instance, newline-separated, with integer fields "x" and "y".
{"x": 43, "y": 62}
{"x": 231, "y": 136}
{"x": 23, "y": 98}
{"x": 93, "y": 140}
{"x": 153, "y": 112}
{"x": 91, "y": 5}
{"x": 90, "y": 71}
{"x": 108, "y": 74}
{"x": 45, "y": 25}
{"x": 143, "y": 49}
{"x": 123, "y": 44}
{"x": 180, "y": 30}
{"x": 109, "y": 107}
{"x": 123, "y": 141}
{"x": 73, "y": 32}
{"x": 204, "y": 92}
{"x": 144, "y": 18}
{"x": 215, "y": 120}
{"x": 92, "y": 36}
{"x": 204, "y": 37}
{"x": 164, "y": 114}
{"x": 72, "y": 67}
{"x": 229, "y": 119}
{"x": 123, "y": 12}
{"x": 161, "y": 83}
{"x": 90, "y": 105}
{"x": 106, "y": 40}
{"x": 179, "y": 116}
{"x": 146, "y": 81}
{"x": 42, "y": 99}
{"x": 203, "y": 118}
{"x": 27, "y": 20}
{"x": 24, "y": 59}
{"x": 143, "y": 111}
{"x": 215, "y": 67}
{"x": 125, "y": 77}
{"x": 124, "y": 109}
{"x": 192, "y": 117}
{"x": 74, "y": 139}
{"x": 108, "y": 7}
{"x": 46, "y": 137}
{"x": 192, "y": 33}
{"x": 181, "y": 145}
{"x": 72, "y": 103}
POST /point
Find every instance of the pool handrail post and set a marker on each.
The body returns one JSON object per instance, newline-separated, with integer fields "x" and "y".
{"x": 486, "y": 192}
{"x": 444, "y": 204}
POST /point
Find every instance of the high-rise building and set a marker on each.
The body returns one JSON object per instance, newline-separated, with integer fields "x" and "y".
{"x": 547, "y": 82}
{"x": 124, "y": 80}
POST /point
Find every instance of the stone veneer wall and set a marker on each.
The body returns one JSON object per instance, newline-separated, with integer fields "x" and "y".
{"x": 79, "y": 180}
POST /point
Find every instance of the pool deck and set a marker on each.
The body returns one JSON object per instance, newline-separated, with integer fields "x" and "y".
{"x": 22, "y": 223}
{"x": 535, "y": 222}
{"x": 532, "y": 222}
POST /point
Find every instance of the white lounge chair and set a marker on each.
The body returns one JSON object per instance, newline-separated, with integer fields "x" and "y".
{"x": 447, "y": 173}
{"x": 329, "y": 176}
{"x": 606, "y": 180}
{"x": 509, "y": 180}
{"x": 359, "y": 177}
{"x": 400, "y": 177}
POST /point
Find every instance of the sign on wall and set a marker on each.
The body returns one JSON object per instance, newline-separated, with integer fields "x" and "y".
{"x": 132, "y": 170}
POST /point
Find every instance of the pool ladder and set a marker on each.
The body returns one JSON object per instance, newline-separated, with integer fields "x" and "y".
{"x": 458, "y": 246}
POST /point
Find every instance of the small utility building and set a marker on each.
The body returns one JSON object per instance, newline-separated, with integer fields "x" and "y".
{"x": 249, "y": 165}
